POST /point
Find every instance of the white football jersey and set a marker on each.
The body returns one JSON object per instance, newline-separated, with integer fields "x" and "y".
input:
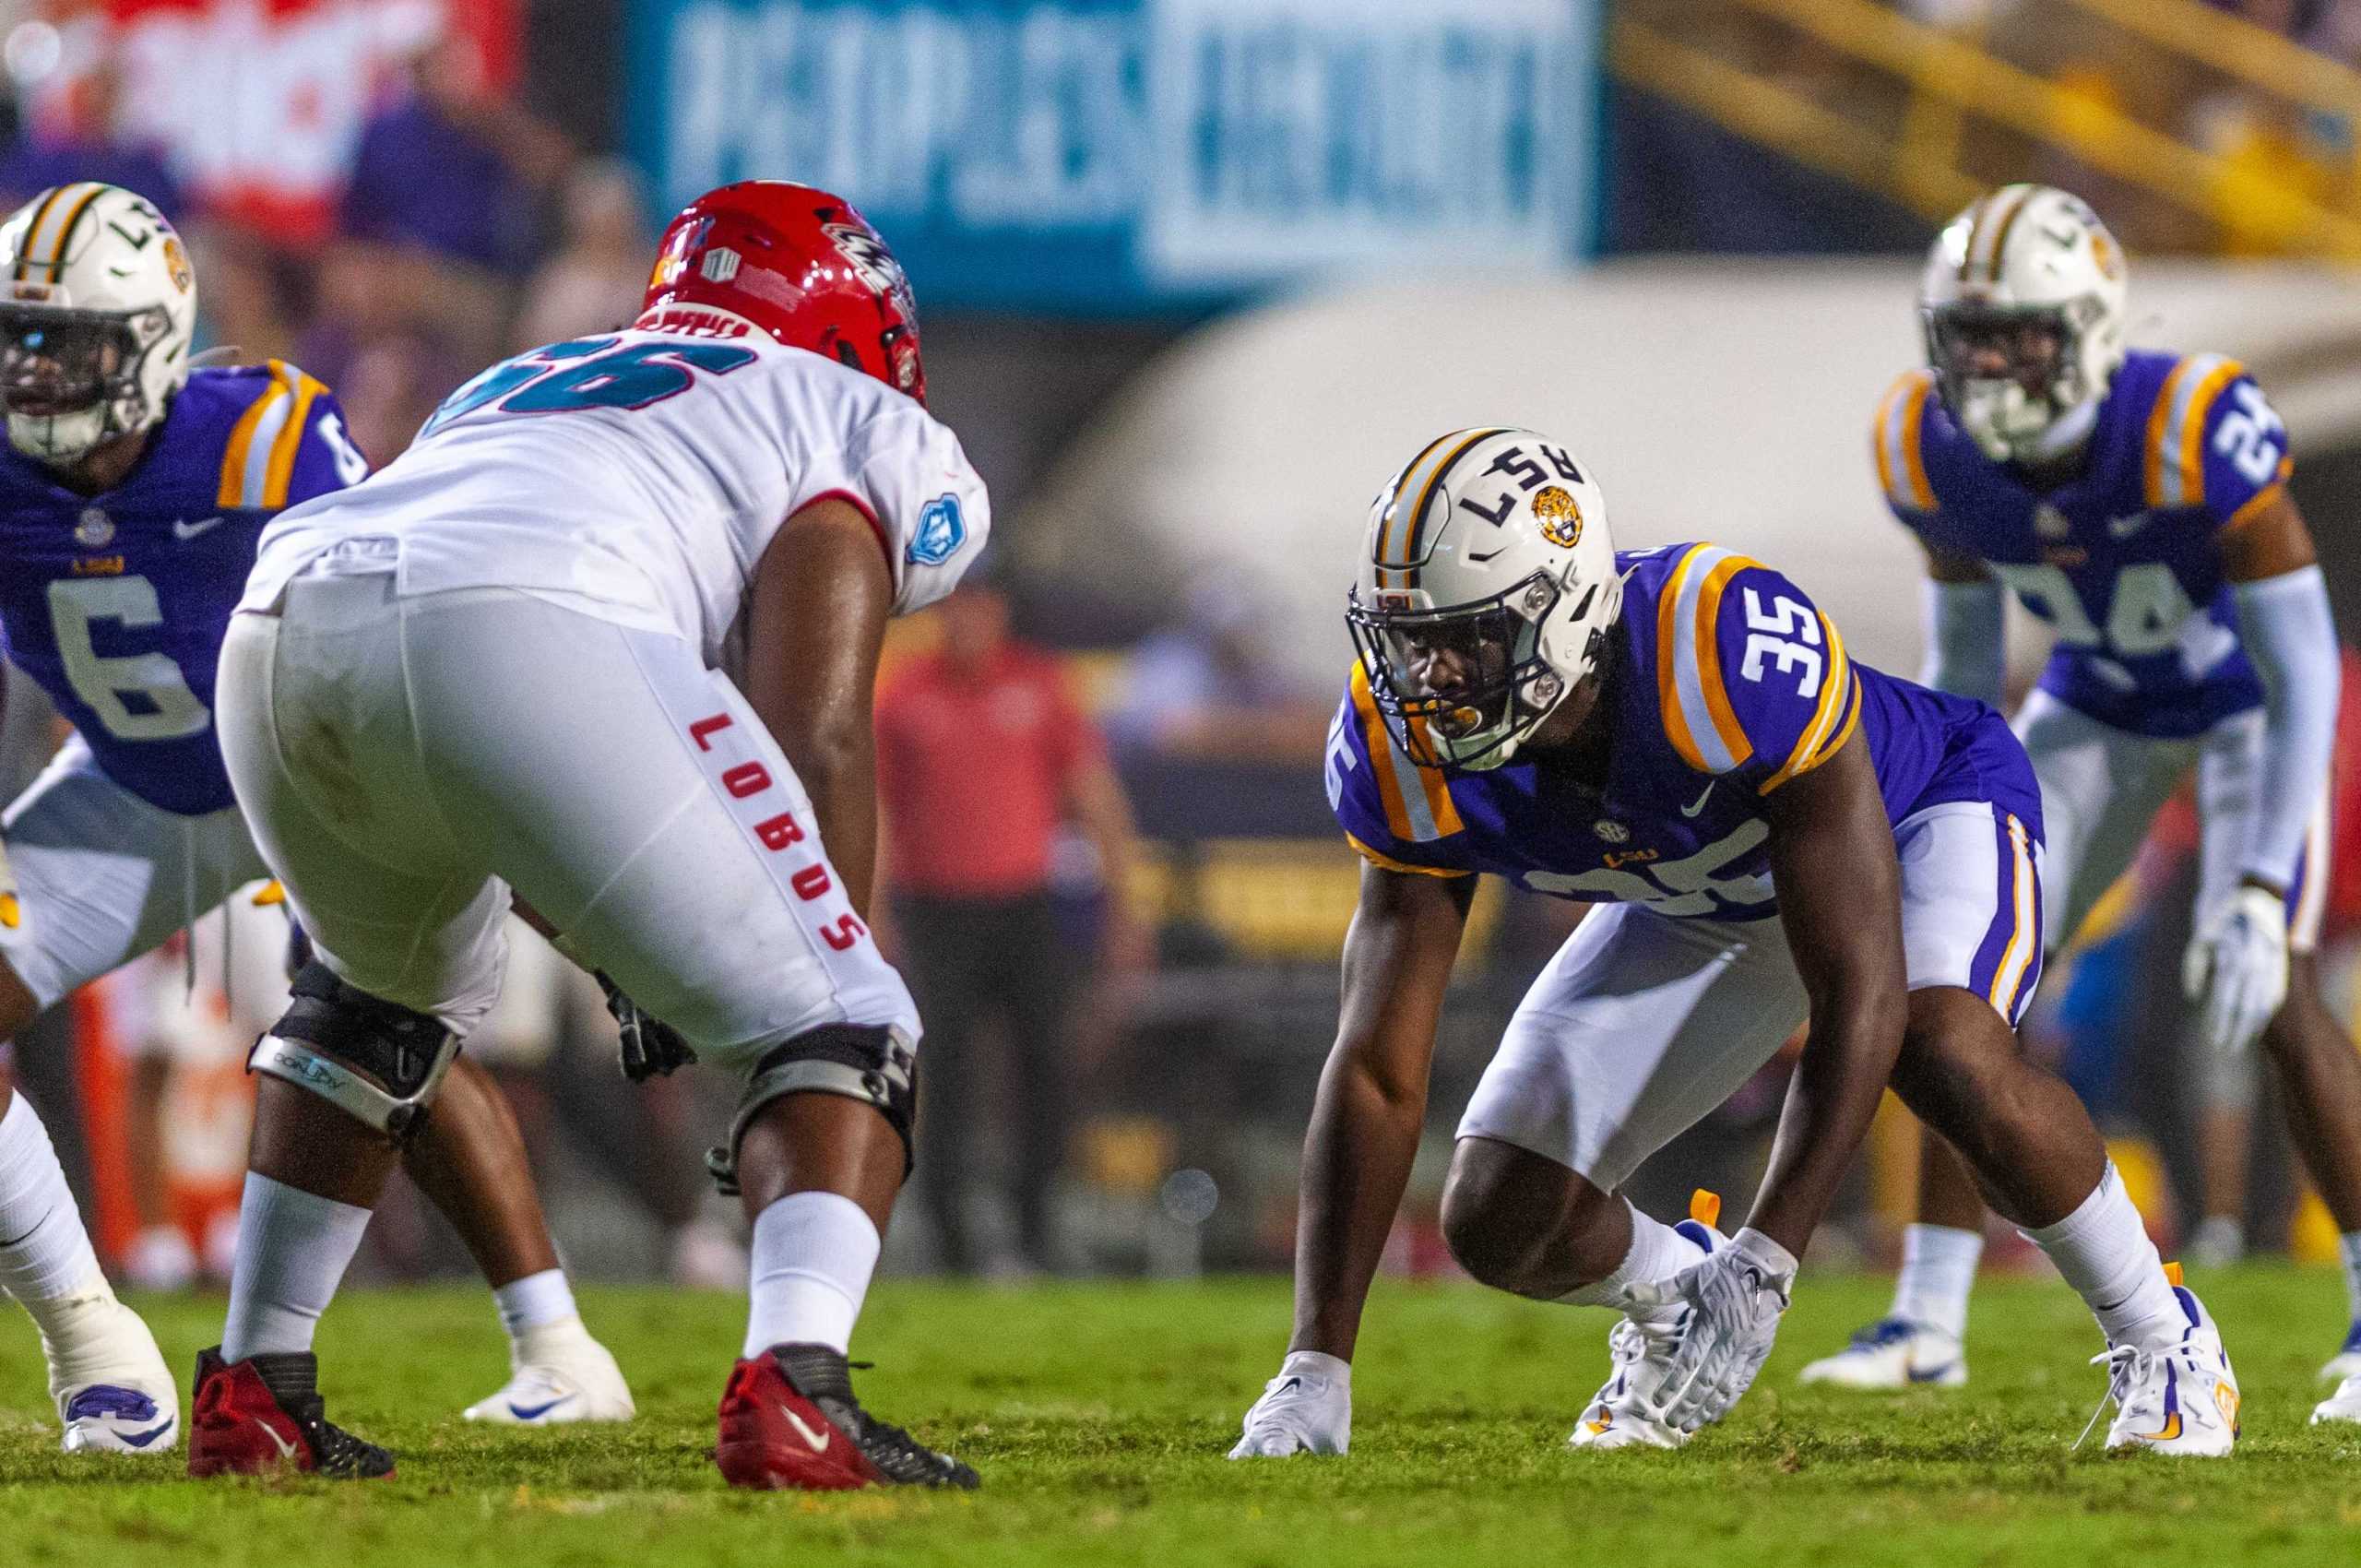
{"x": 639, "y": 476}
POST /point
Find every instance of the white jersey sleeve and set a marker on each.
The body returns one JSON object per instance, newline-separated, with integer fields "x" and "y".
{"x": 906, "y": 470}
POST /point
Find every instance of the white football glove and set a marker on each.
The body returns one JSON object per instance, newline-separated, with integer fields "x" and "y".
{"x": 1307, "y": 1408}
{"x": 1734, "y": 1298}
{"x": 2238, "y": 966}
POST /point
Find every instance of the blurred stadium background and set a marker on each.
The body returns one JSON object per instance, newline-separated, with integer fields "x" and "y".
{"x": 1196, "y": 275}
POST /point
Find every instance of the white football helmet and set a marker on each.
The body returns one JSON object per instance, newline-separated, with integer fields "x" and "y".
{"x": 1486, "y": 595}
{"x": 98, "y": 303}
{"x": 2022, "y": 302}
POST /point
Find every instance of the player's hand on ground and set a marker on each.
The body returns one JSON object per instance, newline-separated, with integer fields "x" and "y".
{"x": 1735, "y": 1298}
{"x": 1307, "y": 1408}
{"x": 2237, "y": 967}
{"x": 650, "y": 1048}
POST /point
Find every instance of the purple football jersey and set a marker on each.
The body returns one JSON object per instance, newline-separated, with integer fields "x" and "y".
{"x": 115, "y": 603}
{"x": 1724, "y": 682}
{"x": 2124, "y": 562}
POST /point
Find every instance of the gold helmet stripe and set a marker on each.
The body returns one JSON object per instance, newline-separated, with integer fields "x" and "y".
{"x": 65, "y": 235}
{"x": 2000, "y": 234}
{"x": 48, "y": 199}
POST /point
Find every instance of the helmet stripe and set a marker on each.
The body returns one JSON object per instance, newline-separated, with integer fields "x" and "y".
{"x": 2000, "y": 232}
{"x": 65, "y": 234}
{"x": 25, "y": 247}
{"x": 1393, "y": 501}
{"x": 1974, "y": 227}
{"x": 1407, "y": 564}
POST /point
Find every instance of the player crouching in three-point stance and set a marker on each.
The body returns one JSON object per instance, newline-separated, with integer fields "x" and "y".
{"x": 2138, "y": 502}
{"x": 132, "y": 489}
{"x": 1773, "y": 833}
{"x": 497, "y": 666}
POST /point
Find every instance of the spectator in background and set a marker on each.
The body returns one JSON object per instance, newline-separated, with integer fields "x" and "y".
{"x": 247, "y": 305}
{"x": 1209, "y": 689}
{"x": 598, "y": 277}
{"x": 94, "y": 149}
{"x": 981, "y": 752}
{"x": 439, "y": 220}
{"x": 390, "y": 388}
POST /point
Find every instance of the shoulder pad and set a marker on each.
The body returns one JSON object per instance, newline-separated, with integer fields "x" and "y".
{"x": 1898, "y": 436}
{"x": 259, "y": 460}
{"x": 2173, "y": 461}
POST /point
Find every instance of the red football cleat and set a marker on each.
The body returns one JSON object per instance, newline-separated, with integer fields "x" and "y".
{"x": 790, "y": 1421}
{"x": 263, "y": 1414}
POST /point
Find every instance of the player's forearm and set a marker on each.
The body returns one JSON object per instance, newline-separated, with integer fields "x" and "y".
{"x": 839, "y": 772}
{"x": 2290, "y": 636}
{"x": 1357, "y": 1160}
{"x": 1964, "y": 642}
{"x": 1831, "y": 1100}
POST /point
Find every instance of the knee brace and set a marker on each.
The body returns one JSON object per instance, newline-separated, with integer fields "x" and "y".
{"x": 378, "y": 1063}
{"x": 874, "y": 1063}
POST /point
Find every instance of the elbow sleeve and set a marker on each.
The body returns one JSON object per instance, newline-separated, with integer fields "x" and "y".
{"x": 1965, "y": 651}
{"x": 2290, "y": 636}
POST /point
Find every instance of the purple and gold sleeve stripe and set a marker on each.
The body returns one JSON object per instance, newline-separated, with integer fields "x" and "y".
{"x": 1417, "y": 801}
{"x": 258, "y": 465}
{"x": 1901, "y": 461}
{"x": 2174, "y": 471}
{"x": 1833, "y": 719}
{"x": 1698, "y": 719}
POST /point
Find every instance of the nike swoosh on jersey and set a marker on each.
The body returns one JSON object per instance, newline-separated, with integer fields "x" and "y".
{"x": 818, "y": 1440}
{"x": 2124, "y": 527}
{"x": 534, "y": 1412}
{"x": 184, "y": 530}
{"x": 1694, "y": 810}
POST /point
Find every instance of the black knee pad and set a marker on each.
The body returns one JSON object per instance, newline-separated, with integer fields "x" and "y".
{"x": 872, "y": 1063}
{"x": 376, "y": 1061}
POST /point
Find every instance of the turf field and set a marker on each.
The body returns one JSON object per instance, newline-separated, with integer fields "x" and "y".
{"x": 1098, "y": 1415}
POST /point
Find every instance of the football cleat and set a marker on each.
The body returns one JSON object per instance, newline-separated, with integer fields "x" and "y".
{"x": 113, "y": 1393}
{"x": 560, "y": 1374}
{"x": 1893, "y": 1353}
{"x": 789, "y": 1422}
{"x": 2180, "y": 1397}
{"x": 2344, "y": 1405}
{"x": 1623, "y": 1414}
{"x": 2346, "y": 1363}
{"x": 263, "y": 1414}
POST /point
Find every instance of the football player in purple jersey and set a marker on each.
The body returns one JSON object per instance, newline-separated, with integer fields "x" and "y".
{"x": 1772, "y": 833}
{"x": 132, "y": 490}
{"x": 2137, "y": 502}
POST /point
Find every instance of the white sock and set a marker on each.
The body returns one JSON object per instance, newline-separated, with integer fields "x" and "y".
{"x": 293, "y": 1248}
{"x": 813, "y": 1254}
{"x": 2103, "y": 1252}
{"x": 2348, "y": 1247}
{"x": 538, "y": 1300}
{"x": 1658, "y": 1251}
{"x": 47, "y": 1255}
{"x": 1938, "y": 1271}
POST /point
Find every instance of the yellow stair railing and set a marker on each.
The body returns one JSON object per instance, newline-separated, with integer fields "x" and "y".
{"x": 1936, "y": 82}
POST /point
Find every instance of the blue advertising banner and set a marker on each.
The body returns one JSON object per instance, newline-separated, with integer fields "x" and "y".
{"x": 1142, "y": 155}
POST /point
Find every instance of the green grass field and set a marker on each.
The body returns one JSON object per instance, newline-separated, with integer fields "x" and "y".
{"x": 1098, "y": 1415}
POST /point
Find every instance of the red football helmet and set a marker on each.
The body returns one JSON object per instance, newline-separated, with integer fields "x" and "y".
{"x": 797, "y": 263}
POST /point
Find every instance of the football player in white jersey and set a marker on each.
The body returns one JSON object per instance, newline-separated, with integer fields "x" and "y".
{"x": 494, "y": 674}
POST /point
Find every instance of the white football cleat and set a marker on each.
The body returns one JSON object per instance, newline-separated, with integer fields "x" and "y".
{"x": 1622, "y": 1414}
{"x": 2347, "y": 1363}
{"x": 113, "y": 1393}
{"x": 2344, "y": 1405}
{"x": 2180, "y": 1398}
{"x": 560, "y": 1375}
{"x": 1894, "y": 1353}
